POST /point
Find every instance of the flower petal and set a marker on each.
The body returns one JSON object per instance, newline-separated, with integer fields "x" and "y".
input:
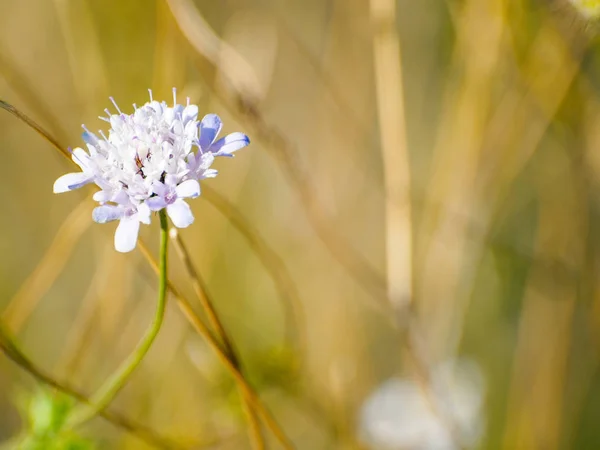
{"x": 156, "y": 203}
{"x": 180, "y": 213}
{"x": 127, "y": 234}
{"x": 189, "y": 188}
{"x": 81, "y": 158}
{"x": 143, "y": 213}
{"x": 107, "y": 213}
{"x": 190, "y": 113}
{"x": 159, "y": 188}
{"x": 209, "y": 129}
{"x": 90, "y": 138}
{"x": 71, "y": 181}
{"x": 229, "y": 144}
{"x": 103, "y": 196}
{"x": 121, "y": 198}
{"x": 205, "y": 162}
{"x": 209, "y": 173}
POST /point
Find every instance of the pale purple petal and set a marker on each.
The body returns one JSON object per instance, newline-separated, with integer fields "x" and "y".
{"x": 107, "y": 213}
{"x": 121, "y": 198}
{"x": 209, "y": 129}
{"x": 180, "y": 213}
{"x": 189, "y": 188}
{"x": 90, "y": 138}
{"x": 229, "y": 144}
{"x": 206, "y": 161}
{"x": 159, "y": 188}
{"x": 127, "y": 234}
{"x": 71, "y": 181}
{"x": 156, "y": 203}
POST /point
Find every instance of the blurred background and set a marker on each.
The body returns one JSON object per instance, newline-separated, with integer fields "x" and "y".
{"x": 406, "y": 256}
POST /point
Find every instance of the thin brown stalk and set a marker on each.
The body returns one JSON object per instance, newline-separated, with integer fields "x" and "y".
{"x": 204, "y": 331}
{"x": 201, "y": 291}
{"x": 187, "y": 310}
{"x": 207, "y": 43}
{"x": 18, "y": 114}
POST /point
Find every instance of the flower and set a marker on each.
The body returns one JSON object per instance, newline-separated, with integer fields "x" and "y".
{"x": 399, "y": 414}
{"x": 151, "y": 160}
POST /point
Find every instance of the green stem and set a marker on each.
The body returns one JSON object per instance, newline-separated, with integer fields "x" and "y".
{"x": 117, "y": 381}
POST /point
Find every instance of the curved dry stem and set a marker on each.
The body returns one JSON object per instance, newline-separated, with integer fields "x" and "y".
{"x": 201, "y": 292}
{"x": 199, "y": 34}
{"x": 19, "y": 115}
{"x": 48, "y": 269}
{"x": 185, "y": 306}
{"x": 202, "y": 329}
{"x": 12, "y": 351}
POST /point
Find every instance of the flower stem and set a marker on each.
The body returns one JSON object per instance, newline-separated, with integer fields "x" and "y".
{"x": 198, "y": 325}
{"x": 117, "y": 381}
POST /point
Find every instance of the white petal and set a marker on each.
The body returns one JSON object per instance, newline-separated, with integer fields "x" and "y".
{"x": 156, "y": 203}
{"x": 189, "y": 188}
{"x": 229, "y": 144}
{"x": 71, "y": 181}
{"x": 209, "y": 129}
{"x": 210, "y": 173}
{"x": 180, "y": 213}
{"x": 143, "y": 213}
{"x": 190, "y": 113}
{"x": 81, "y": 158}
{"x": 103, "y": 196}
{"x": 107, "y": 213}
{"x": 127, "y": 234}
{"x": 170, "y": 180}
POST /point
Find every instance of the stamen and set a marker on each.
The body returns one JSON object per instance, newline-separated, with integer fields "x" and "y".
{"x": 115, "y": 103}
{"x": 108, "y": 112}
{"x": 104, "y": 118}
{"x": 174, "y": 97}
{"x": 150, "y": 92}
{"x": 135, "y": 107}
{"x": 103, "y": 135}
{"x": 188, "y": 101}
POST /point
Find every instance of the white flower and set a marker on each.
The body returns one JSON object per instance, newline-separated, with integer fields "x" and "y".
{"x": 170, "y": 195}
{"x": 129, "y": 214}
{"x": 398, "y": 415}
{"x": 150, "y": 160}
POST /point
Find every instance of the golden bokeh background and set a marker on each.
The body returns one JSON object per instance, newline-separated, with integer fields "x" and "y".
{"x": 422, "y": 187}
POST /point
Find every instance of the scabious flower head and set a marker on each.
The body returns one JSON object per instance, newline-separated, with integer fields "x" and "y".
{"x": 151, "y": 159}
